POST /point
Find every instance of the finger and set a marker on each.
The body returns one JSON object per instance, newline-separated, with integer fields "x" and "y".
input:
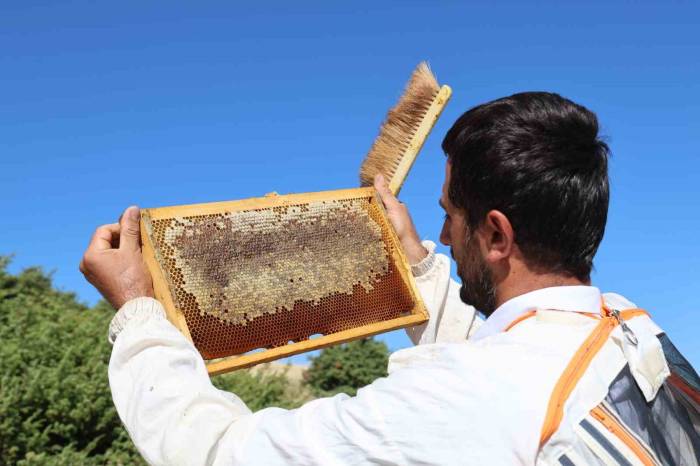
{"x": 385, "y": 193}
{"x": 130, "y": 237}
{"x": 103, "y": 237}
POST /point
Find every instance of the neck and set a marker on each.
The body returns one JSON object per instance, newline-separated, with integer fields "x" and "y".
{"x": 518, "y": 284}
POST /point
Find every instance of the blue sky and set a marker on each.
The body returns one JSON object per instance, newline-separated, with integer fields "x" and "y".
{"x": 108, "y": 104}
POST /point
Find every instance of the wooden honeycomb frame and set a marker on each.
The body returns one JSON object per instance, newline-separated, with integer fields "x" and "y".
{"x": 164, "y": 289}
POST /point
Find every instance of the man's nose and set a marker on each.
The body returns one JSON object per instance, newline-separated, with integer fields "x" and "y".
{"x": 445, "y": 235}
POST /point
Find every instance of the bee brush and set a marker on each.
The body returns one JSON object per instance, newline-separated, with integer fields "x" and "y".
{"x": 405, "y": 129}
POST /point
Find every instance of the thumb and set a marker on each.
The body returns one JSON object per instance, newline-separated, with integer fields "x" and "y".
{"x": 385, "y": 193}
{"x": 130, "y": 232}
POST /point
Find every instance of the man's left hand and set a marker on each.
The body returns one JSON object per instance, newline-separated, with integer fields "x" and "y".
{"x": 400, "y": 219}
{"x": 113, "y": 262}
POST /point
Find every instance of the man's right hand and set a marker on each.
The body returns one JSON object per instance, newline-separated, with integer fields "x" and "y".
{"x": 113, "y": 262}
{"x": 401, "y": 220}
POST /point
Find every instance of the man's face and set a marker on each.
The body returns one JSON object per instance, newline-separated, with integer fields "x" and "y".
{"x": 477, "y": 280}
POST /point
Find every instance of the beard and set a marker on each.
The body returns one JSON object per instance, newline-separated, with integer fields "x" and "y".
{"x": 477, "y": 289}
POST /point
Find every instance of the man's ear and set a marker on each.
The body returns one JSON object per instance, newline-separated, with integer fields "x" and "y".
{"x": 498, "y": 239}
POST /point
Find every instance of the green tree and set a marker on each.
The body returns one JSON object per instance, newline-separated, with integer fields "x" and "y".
{"x": 55, "y": 405}
{"x": 347, "y": 367}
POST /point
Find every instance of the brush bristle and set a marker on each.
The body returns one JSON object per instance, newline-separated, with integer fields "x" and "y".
{"x": 400, "y": 126}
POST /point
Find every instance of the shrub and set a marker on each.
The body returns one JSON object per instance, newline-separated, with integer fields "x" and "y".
{"x": 55, "y": 404}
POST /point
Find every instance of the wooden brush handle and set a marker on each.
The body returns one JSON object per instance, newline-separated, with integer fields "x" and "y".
{"x": 419, "y": 138}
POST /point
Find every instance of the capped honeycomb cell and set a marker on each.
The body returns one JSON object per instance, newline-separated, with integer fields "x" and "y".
{"x": 269, "y": 272}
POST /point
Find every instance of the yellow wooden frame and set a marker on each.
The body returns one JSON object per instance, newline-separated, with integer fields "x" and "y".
{"x": 162, "y": 291}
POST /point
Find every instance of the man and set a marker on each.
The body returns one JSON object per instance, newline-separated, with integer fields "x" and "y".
{"x": 555, "y": 374}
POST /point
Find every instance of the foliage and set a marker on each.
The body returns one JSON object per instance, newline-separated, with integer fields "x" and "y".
{"x": 347, "y": 367}
{"x": 55, "y": 404}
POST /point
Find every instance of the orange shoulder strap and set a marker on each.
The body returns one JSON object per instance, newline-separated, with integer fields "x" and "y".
{"x": 522, "y": 317}
{"x": 577, "y": 367}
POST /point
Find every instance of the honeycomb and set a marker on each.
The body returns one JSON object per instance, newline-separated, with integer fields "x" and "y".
{"x": 265, "y": 277}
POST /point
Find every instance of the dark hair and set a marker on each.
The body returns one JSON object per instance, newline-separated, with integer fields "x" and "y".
{"x": 537, "y": 158}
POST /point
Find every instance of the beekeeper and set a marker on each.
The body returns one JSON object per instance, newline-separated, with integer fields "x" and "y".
{"x": 557, "y": 374}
